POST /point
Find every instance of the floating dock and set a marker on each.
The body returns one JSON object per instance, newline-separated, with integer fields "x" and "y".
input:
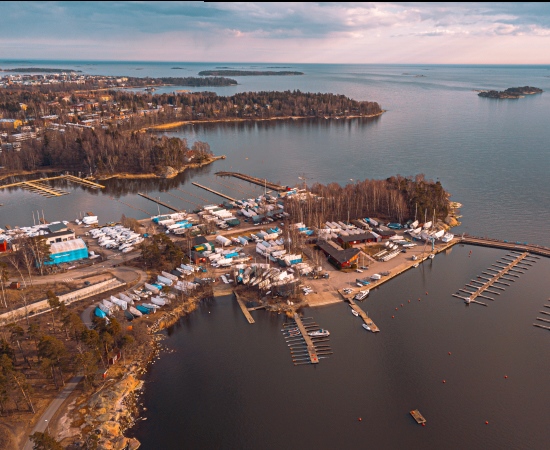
{"x": 38, "y": 187}
{"x": 244, "y": 309}
{"x": 368, "y": 321}
{"x": 158, "y": 202}
{"x": 418, "y": 417}
{"x": 231, "y": 199}
{"x": 254, "y": 180}
{"x": 482, "y": 284}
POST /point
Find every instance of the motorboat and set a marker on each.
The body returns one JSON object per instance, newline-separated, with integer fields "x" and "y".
{"x": 431, "y": 256}
{"x": 365, "y": 326}
{"x": 361, "y": 295}
{"x": 355, "y": 313}
{"x": 319, "y": 333}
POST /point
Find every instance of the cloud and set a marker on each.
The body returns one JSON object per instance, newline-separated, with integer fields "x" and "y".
{"x": 240, "y": 31}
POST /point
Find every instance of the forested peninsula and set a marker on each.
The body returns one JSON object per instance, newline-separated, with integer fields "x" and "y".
{"x": 101, "y": 132}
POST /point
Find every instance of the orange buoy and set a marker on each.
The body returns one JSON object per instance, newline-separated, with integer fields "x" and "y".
{"x": 444, "y": 381}
{"x": 360, "y": 419}
{"x": 426, "y": 292}
{"x": 401, "y": 305}
{"x": 396, "y": 309}
{"x": 393, "y": 317}
{"x": 505, "y": 376}
{"x": 424, "y": 424}
{"x": 409, "y": 301}
{"x": 486, "y": 422}
{"x": 449, "y": 353}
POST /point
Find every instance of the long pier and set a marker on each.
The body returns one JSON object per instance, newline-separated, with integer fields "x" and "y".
{"x": 59, "y": 177}
{"x": 313, "y": 357}
{"x": 489, "y": 282}
{"x": 495, "y": 243}
{"x": 244, "y": 309}
{"x": 368, "y": 321}
{"x": 213, "y": 191}
{"x": 158, "y": 202}
{"x": 39, "y": 188}
{"x": 254, "y": 180}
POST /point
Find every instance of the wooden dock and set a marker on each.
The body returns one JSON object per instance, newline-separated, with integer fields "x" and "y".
{"x": 418, "y": 417}
{"x": 517, "y": 246}
{"x": 314, "y": 359}
{"x": 158, "y": 202}
{"x": 482, "y": 284}
{"x": 368, "y": 321}
{"x": 254, "y": 180}
{"x": 214, "y": 192}
{"x": 244, "y": 309}
{"x": 38, "y": 187}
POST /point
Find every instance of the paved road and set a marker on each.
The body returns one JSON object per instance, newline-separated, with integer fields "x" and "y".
{"x": 42, "y": 423}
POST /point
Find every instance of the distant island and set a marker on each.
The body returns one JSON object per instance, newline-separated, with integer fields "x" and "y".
{"x": 514, "y": 92}
{"x": 182, "y": 81}
{"x": 38, "y": 69}
{"x": 247, "y": 73}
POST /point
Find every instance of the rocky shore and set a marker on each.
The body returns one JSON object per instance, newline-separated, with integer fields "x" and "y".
{"x": 105, "y": 415}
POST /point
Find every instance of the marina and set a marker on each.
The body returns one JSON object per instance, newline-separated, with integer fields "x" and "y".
{"x": 39, "y": 187}
{"x": 476, "y": 288}
{"x": 254, "y": 180}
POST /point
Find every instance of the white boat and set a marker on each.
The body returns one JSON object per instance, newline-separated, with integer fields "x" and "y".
{"x": 365, "y": 326}
{"x": 109, "y": 304}
{"x": 361, "y": 295}
{"x": 414, "y": 257}
{"x": 319, "y": 333}
{"x": 120, "y": 303}
{"x": 151, "y": 306}
{"x": 104, "y": 308}
{"x": 158, "y": 301}
{"x": 448, "y": 237}
{"x": 431, "y": 256}
{"x": 416, "y": 265}
{"x": 135, "y": 312}
{"x": 376, "y": 276}
{"x": 127, "y": 249}
{"x": 355, "y": 313}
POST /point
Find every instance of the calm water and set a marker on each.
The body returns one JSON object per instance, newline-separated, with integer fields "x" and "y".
{"x": 231, "y": 385}
{"x": 493, "y": 156}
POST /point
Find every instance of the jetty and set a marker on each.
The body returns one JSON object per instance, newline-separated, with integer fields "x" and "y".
{"x": 477, "y": 287}
{"x": 304, "y": 348}
{"x": 38, "y": 187}
{"x": 254, "y": 180}
{"x": 244, "y": 309}
{"x": 157, "y": 201}
{"x": 516, "y": 246}
{"x": 368, "y": 321}
{"x": 231, "y": 199}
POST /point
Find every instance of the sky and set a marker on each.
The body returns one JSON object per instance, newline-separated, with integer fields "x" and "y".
{"x": 416, "y": 33}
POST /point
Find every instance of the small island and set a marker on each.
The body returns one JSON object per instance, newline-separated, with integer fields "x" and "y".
{"x": 247, "y": 73}
{"x": 514, "y": 92}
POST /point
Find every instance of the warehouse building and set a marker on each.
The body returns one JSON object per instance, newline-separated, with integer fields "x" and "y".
{"x": 64, "y": 252}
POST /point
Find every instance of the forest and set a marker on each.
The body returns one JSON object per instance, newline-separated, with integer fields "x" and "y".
{"x": 118, "y": 145}
{"x": 396, "y": 198}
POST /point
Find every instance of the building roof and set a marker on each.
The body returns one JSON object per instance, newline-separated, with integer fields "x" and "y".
{"x": 200, "y": 240}
{"x": 59, "y": 233}
{"x": 387, "y": 233}
{"x": 356, "y": 237}
{"x": 55, "y": 227}
{"x": 341, "y": 256}
{"x": 67, "y": 246}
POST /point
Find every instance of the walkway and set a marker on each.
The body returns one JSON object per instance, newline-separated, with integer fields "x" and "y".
{"x": 46, "y": 418}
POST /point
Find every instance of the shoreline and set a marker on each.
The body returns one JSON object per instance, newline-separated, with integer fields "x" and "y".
{"x": 150, "y": 175}
{"x": 170, "y": 125}
{"x": 121, "y": 175}
{"x": 113, "y": 409}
